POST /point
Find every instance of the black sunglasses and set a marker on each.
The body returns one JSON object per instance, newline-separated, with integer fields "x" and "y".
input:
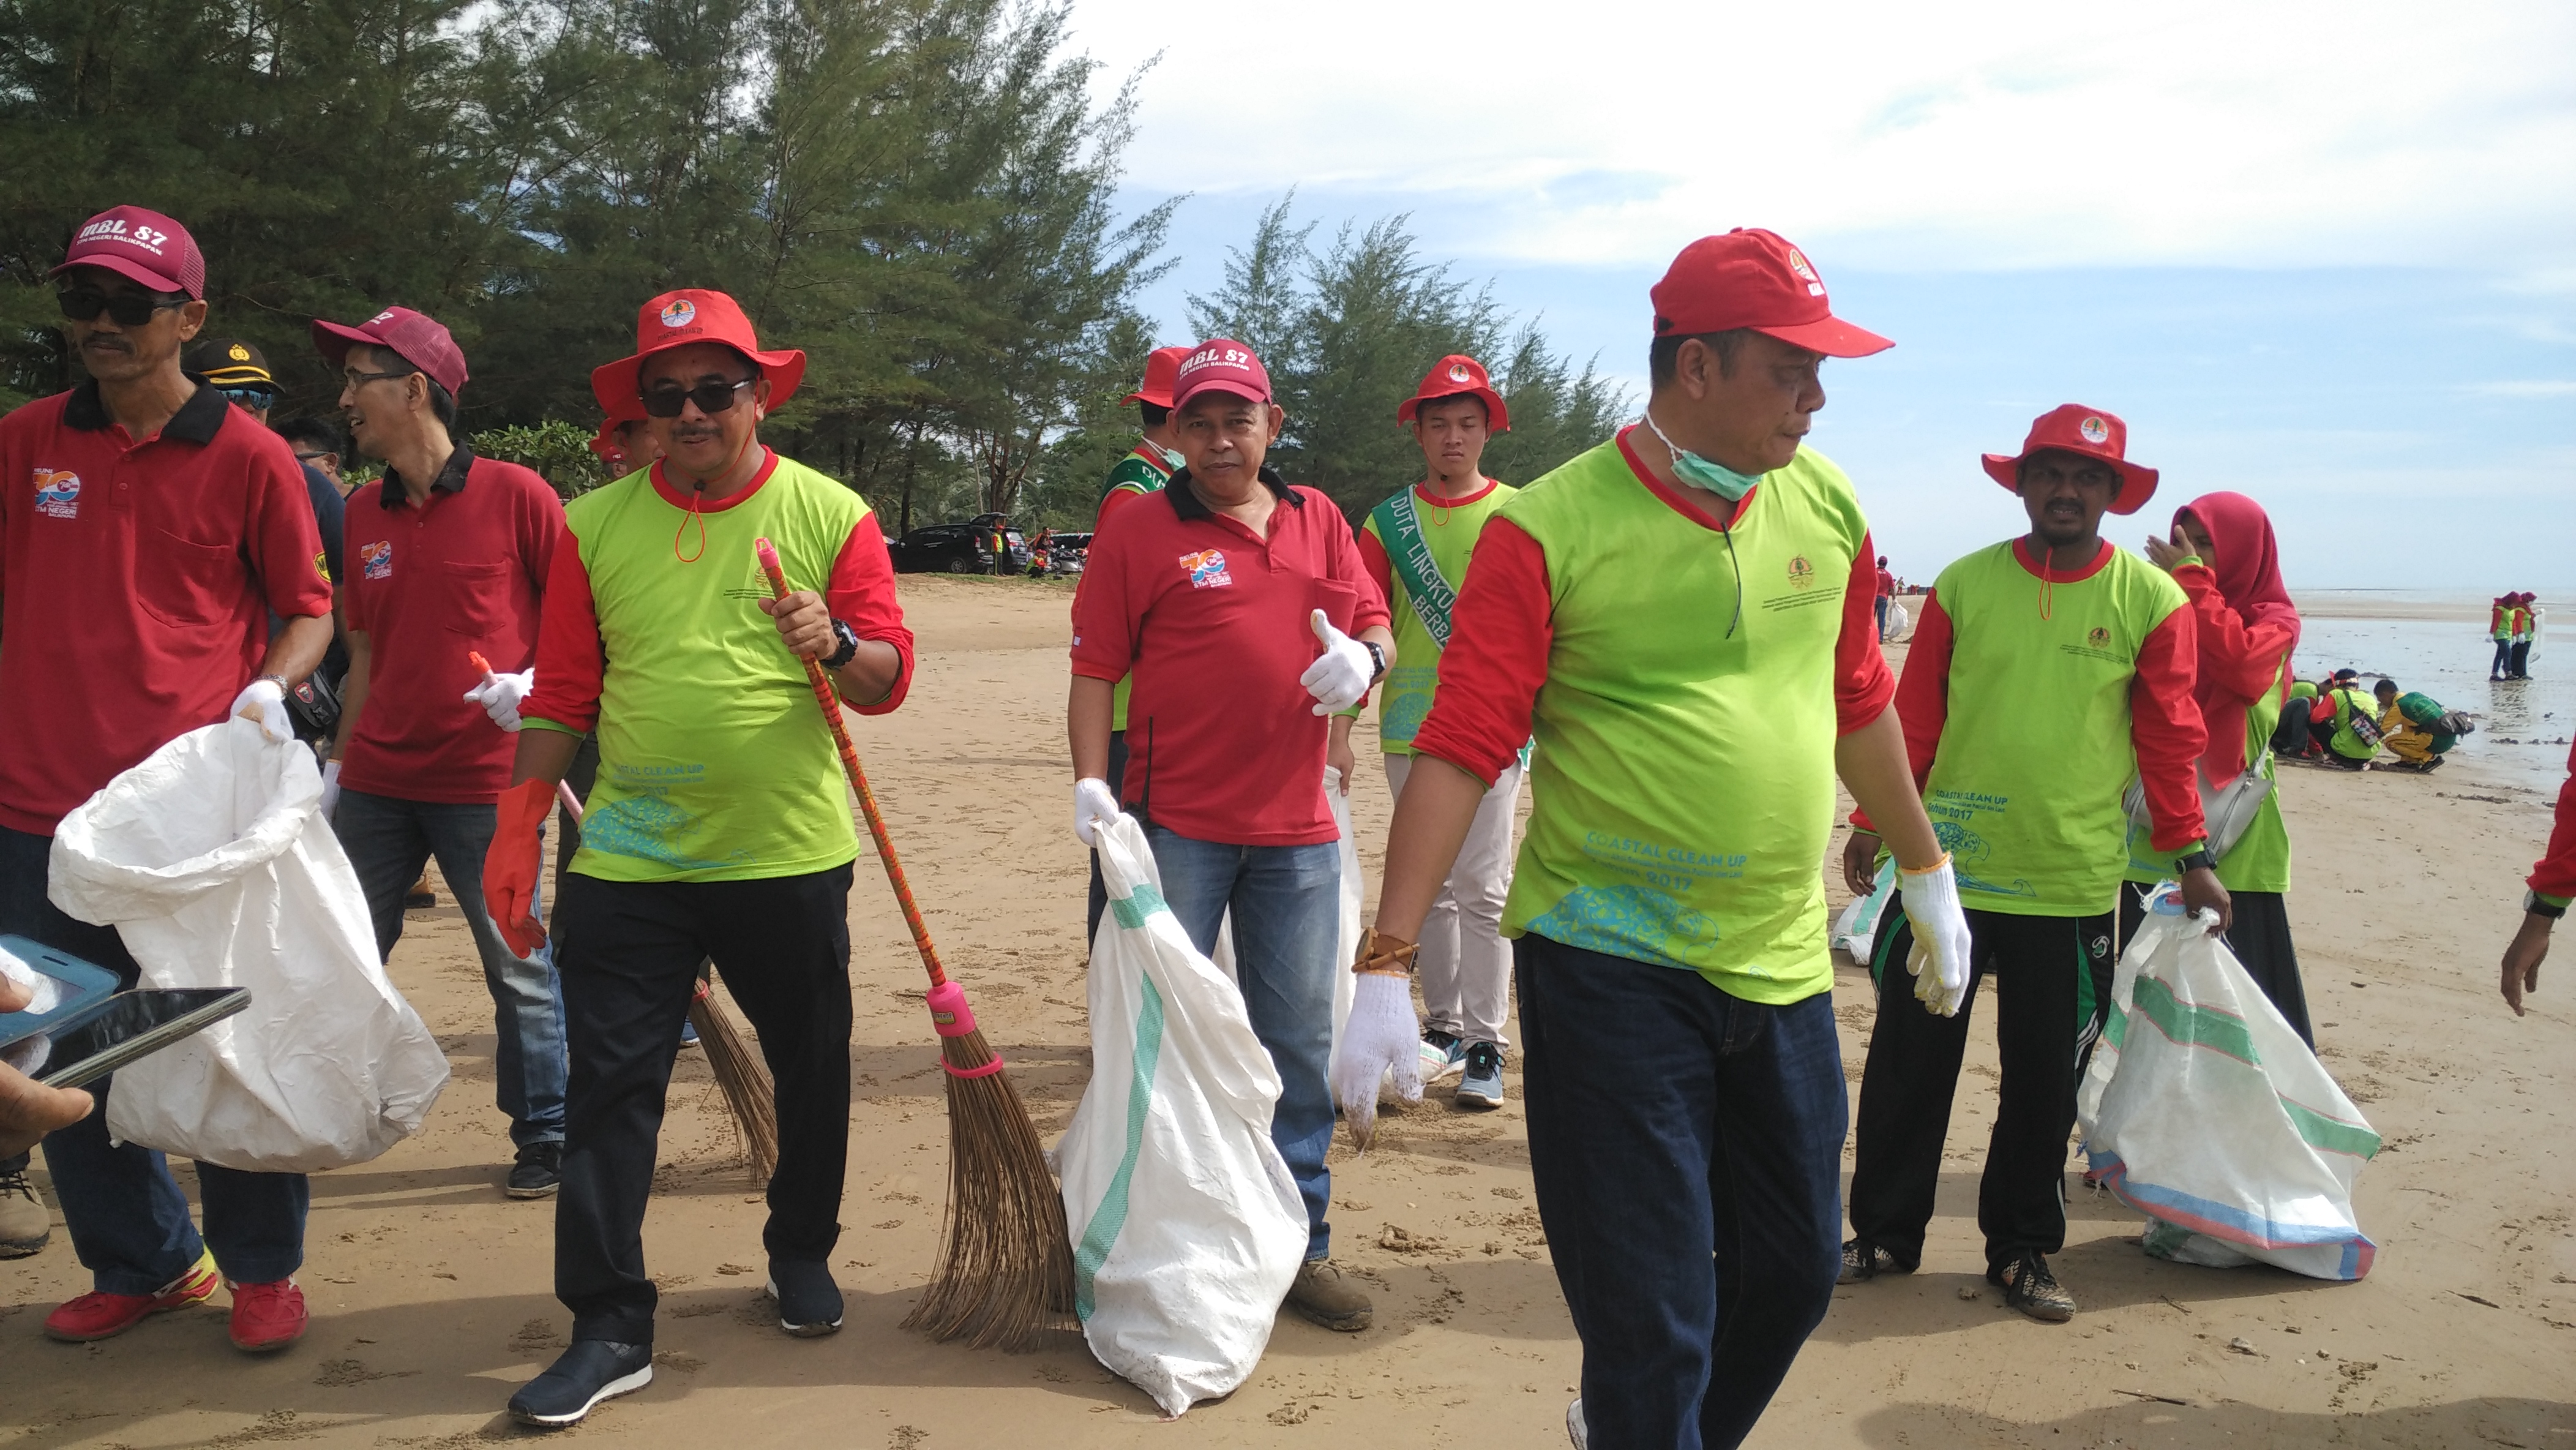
{"x": 710, "y": 397}
{"x": 130, "y": 309}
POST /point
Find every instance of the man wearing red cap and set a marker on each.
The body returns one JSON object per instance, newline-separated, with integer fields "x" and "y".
{"x": 451, "y": 554}
{"x": 1146, "y": 469}
{"x": 148, "y": 530}
{"x": 1416, "y": 546}
{"x": 1216, "y": 594}
{"x": 1683, "y": 616}
{"x": 2047, "y": 672}
{"x": 719, "y": 825}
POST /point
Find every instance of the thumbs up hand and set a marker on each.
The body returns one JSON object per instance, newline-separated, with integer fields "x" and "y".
{"x": 1341, "y": 674}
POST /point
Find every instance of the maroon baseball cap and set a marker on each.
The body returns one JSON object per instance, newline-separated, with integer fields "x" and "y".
{"x": 1751, "y": 278}
{"x": 415, "y": 337}
{"x": 1221, "y": 365}
{"x": 143, "y": 245}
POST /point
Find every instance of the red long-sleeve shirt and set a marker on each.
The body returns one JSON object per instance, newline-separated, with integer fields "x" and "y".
{"x": 2554, "y": 874}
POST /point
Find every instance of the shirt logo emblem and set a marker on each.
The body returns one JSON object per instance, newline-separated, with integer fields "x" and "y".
{"x": 2100, "y": 638}
{"x": 376, "y": 560}
{"x": 1802, "y": 574}
{"x": 679, "y": 312}
{"x": 2095, "y": 431}
{"x": 1207, "y": 569}
{"x": 58, "y": 493}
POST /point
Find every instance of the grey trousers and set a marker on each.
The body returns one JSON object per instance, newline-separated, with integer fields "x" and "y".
{"x": 1466, "y": 966}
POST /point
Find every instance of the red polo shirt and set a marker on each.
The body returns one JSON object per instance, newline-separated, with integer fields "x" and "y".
{"x": 1212, "y": 619}
{"x": 136, "y": 581}
{"x": 428, "y": 584}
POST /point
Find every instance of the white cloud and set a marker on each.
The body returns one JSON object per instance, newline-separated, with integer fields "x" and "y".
{"x": 2525, "y": 388}
{"x": 1996, "y": 135}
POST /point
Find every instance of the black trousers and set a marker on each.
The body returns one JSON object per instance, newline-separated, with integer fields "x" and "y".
{"x": 2053, "y": 981}
{"x": 628, "y": 955}
{"x": 2260, "y": 939}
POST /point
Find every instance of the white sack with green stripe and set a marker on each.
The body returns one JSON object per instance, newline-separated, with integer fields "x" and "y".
{"x": 1186, "y": 1226}
{"x": 2203, "y": 1110}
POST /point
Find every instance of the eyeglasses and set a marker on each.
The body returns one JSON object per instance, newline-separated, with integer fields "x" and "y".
{"x": 129, "y": 309}
{"x": 711, "y": 398}
{"x": 249, "y": 397}
{"x": 351, "y": 377}
{"x": 316, "y": 457}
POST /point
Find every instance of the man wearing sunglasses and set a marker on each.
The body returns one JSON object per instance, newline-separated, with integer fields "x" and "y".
{"x": 451, "y": 556}
{"x": 147, "y": 534}
{"x": 719, "y": 823}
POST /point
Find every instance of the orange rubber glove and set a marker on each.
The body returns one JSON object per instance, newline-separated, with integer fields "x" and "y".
{"x": 510, "y": 867}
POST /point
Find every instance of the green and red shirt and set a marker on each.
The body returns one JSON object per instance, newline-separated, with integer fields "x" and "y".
{"x": 1687, "y": 674}
{"x": 1141, "y": 472}
{"x": 714, "y": 762}
{"x": 1444, "y": 531}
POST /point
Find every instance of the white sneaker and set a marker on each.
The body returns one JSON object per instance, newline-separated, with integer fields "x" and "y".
{"x": 1442, "y": 1056}
{"x": 1574, "y": 1430}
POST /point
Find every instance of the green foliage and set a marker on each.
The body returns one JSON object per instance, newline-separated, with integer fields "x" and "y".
{"x": 558, "y": 451}
{"x": 1347, "y": 334}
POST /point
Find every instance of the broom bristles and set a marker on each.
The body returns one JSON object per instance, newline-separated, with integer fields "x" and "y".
{"x": 745, "y": 1080}
{"x": 1005, "y": 1272}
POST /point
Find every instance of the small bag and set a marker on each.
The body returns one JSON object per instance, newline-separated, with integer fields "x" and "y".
{"x": 2225, "y": 813}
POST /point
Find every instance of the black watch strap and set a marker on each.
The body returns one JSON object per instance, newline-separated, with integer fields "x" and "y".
{"x": 2199, "y": 860}
{"x": 1377, "y": 660}
{"x": 845, "y": 650}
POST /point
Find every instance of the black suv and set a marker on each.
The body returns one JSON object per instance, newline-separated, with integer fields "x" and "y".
{"x": 965, "y": 548}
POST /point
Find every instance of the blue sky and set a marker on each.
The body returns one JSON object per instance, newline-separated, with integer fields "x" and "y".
{"x": 2322, "y": 254}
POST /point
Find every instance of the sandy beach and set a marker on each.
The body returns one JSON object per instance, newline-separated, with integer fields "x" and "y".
{"x": 431, "y": 1293}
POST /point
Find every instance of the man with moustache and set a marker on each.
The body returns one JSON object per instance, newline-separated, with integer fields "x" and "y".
{"x": 148, "y": 531}
{"x": 451, "y": 555}
{"x": 719, "y": 825}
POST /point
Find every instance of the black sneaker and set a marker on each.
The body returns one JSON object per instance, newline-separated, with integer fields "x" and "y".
{"x": 591, "y": 1371}
{"x": 2030, "y": 1288}
{"x": 1864, "y": 1261}
{"x": 809, "y": 1303}
{"x": 538, "y": 1173}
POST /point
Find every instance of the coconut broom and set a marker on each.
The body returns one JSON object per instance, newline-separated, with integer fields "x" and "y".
{"x": 1005, "y": 1273}
{"x": 749, "y": 1094}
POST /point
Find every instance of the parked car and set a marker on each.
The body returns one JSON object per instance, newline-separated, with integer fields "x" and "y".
{"x": 1066, "y": 553}
{"x": 958, "y": 548}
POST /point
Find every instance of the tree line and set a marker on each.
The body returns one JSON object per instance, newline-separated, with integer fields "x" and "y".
{"x": 922, "y": 194}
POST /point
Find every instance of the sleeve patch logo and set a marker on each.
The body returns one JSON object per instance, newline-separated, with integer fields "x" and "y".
{"x": 1206, "y": 569}
{"x": 322, "y": 566}
{"x": 57, "y": 492}
{"x": 376, "y": 560}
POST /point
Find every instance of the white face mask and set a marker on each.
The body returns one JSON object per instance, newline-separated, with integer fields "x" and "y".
{"x": 1172, "y": 458}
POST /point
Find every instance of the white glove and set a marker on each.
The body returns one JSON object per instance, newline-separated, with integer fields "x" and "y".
{"x": 500, "y": 694}
{"x": 330, "y": 787}
{"x": 263, "y": 701}
{"x": 1931, "y": 900}
{"x": 1381, "y": 1036}
{"x": 1094, "y": 804}
{"x": 1340, "y": 675}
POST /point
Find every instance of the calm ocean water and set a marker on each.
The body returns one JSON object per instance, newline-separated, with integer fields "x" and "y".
{"x": 2437, "y": 643}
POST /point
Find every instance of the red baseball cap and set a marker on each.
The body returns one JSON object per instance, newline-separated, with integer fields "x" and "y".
{"x": 1222, "y": 365}
{"x": 143, "y": 245}
{"x": 1457, "y": 375}
{"x": 1755, "y": 279}
{"x": 676, "y": 319}
{"x": 1161, "y": 366}
{"x": 415, "y": 337}
{"x": 2074, "y": 428}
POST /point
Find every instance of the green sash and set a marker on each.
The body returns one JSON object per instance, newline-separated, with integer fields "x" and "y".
{"x": 1410, "y": 553}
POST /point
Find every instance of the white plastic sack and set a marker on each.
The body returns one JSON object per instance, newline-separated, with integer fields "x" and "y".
{"x": 1187, "y": 1229}
{"x": 1856, "y": 930}
{"x": 2203, "y": 1110}
{"x": 213, "y": 862}
{"x": 1898, "y": 621}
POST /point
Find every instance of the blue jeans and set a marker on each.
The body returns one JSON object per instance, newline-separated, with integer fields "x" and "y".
{"x": 128, "y": 1220}
{"x": 1668, "y": 1119}
{"x": 1287, "y": 907}
{"x": 387, "y": 841}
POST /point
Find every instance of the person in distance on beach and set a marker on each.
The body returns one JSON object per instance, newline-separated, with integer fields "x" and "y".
{"x": 2343, "y": 724}
{"x": 1418, "y": 545}
{"x": 1683, "y": 615}
{"x": 1240, "y": 605}
{"x": 2046, "y": 672}
{"x": 2222, "y": 553}
{"x": 719, "y": 826}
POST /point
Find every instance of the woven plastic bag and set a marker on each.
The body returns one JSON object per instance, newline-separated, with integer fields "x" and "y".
{"x": 2203, "y": 1110}
{"x": 212, "y": 860}
{"x": 1187, "y": 1228}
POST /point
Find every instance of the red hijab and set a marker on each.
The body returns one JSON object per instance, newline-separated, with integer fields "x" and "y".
{"x": 2248, "y": 567}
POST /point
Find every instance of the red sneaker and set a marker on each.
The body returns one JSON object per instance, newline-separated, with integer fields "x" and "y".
{"x": 267, "y": 1316}
{"x": 104, "y": 1316}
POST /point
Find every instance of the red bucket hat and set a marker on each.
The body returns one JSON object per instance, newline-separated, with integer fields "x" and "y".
{"x": 604, "y": 442}
{"x": 676, "y": 319}
{"x": 1220, "y": 365}
{"x": 415, "y": 337}
{"x": 1162, "y": 366}
{"x": 1453, "y": 376}
{"x": 2074, "y": 428}
{"x": 1753, "y": 278}
{"x": 142, "y": 245}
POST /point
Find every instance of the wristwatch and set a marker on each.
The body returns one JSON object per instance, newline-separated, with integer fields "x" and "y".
{"x": 2198, "y": 860}
{"x": 2532, "y": 902}
{"x": 846, "y": 648}
{"x": 1377, "y": 660}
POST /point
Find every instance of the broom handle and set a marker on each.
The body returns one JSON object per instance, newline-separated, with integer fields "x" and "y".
{"x": 825, "y": 697}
